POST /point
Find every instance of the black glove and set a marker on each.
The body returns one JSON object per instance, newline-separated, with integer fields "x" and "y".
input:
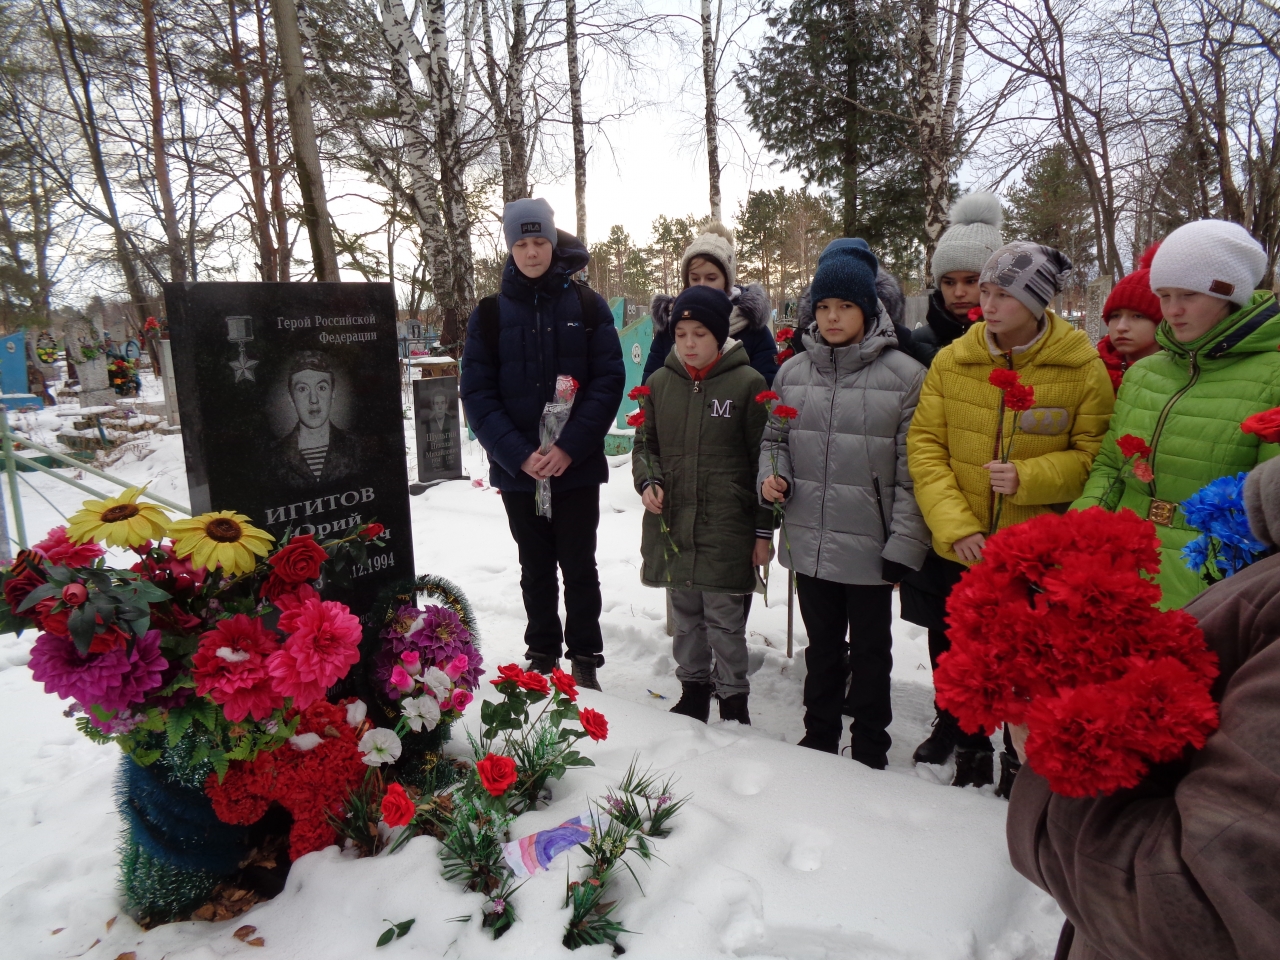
{"x": 891, "y": 572}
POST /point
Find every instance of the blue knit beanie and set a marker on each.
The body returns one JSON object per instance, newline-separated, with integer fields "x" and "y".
{"x": 847, "y": 271}
{"x": 710, "y": 306}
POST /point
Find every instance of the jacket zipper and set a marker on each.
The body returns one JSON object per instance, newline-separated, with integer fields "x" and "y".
{"x": 884, "y": 525}
{"x": 991, "y": 494}
{"x": 1164, "y": 414}
{"x": 826, "y": 461}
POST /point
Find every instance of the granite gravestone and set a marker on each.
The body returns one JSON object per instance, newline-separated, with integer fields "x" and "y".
{"x": 290, "y": 403}
{"x": 438, "y": 428}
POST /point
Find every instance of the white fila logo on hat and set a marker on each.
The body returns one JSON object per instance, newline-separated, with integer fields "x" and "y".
{"x": 534, "y": 227}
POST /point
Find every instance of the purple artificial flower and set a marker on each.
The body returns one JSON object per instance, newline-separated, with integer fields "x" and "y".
{"x": 110, "y": 681}
{"x": 438, "y": 639}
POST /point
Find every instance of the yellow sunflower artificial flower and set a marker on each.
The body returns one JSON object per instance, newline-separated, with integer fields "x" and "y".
{"x": 222, "y": 538}
{"x": 121, "y": 521}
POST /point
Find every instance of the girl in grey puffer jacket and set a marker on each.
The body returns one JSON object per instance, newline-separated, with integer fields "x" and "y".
{"x": 852, "y": 528}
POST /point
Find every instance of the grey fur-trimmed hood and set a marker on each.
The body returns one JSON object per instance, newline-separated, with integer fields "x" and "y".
{"x": 751, "y": 309}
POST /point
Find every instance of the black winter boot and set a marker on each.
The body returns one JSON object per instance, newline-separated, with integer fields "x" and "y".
{"x": 941, "y": 741}
{"x": 542, "y": 663}
{"x": 973, "y": 767}
{"x": 734, "y": 708}
{"x": 584, "y": 672}
{"x": 823, "y": 744}
{"x": 1009, "y": 767}
{"x": 695, "y": 700}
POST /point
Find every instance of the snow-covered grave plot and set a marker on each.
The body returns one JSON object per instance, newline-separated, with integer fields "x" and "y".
{"x": 781, "y": 852}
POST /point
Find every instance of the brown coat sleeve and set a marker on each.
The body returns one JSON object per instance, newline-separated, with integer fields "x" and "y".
{"x": 1183, "y": 866}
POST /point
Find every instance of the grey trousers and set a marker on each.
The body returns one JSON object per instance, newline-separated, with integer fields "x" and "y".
{"x": 710, "y": 642}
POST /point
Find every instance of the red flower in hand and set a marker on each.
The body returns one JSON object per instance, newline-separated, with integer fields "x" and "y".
{"x": 497, "y": 774}
{"x": 635, "y": 419}
{"x": 508, "y": 673}
{"x": 975, "y": 314}
{"x": 594, "y": 723}
{"x": 765, "y": 396}
{"x": 1020, "y": 397}
{"x": 1266, "y": 425}
{"x": 638, "y": 392}
{"x": 372, "y": 531}
{"x": 299, "y": 560}
{"x": 1003, "y": 379}
{"x": 1142, "y": 470}
{"x": 1131, "y": 446}
{"x": 564, "y": 683}
{"x": 397, "y": 808}
{"x": 785, "y": 334}
{"x": 785, "y": 355}
{"x": 785, "y": 413}
{"x": 534, "y": 682}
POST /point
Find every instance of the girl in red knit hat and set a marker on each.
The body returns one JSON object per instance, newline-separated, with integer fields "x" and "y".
{"x": 1131, "y": 314}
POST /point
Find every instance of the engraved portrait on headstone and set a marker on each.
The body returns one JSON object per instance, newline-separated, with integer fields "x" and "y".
{"x": 439, "y": 433}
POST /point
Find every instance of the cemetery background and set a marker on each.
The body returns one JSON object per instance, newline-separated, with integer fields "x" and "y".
{"x": 781, "y": 852}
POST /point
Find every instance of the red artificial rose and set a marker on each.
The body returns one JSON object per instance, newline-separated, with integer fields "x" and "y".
{"x": 17, "y": 588}
{"x": 275, "y": 587}
{"x": 1003, "y": 379}
{"x": 534, "y": 682}
{"x": 109, "y": 638}
{"x": 765, "y": 396}
{"x": 635, "y": 419}
{"x": 397, "y": 808}
{"x": 50, "y": 622}
{"x": 299, "y": 560}
{"x": 785, "y": 413}
{"x": 785, "y": 355}
{"x": 1131, "y": 446}
{"x": 61, "y": 552}
{"x": 785, "y": 334}
{"x": 638, "y": 392}
{"x": 372, "y": 531}
{"x": 1142, "y": 471}
{"x": 497, "y": 773}
{"x": 594, "y": 723}
{"x": 74, "y": 594}
{"x": 1020, "y": 397}
{"x": 508, "y": 673}
{"x": 1266, "y": 425}
{"x": 564, "y": 683}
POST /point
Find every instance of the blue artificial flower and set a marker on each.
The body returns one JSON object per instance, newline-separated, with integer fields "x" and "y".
{"x": 1217, "y": 511}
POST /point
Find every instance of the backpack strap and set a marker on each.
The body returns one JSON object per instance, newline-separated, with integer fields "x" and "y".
{"x": 590, "y": 318}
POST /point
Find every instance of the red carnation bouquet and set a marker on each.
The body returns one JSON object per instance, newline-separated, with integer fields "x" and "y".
{"x": 1057, "y": 628}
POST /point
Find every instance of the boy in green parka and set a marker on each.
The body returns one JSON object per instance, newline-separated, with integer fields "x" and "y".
{"x": 1219, "y": 365}
{"x": 694, "y": 464}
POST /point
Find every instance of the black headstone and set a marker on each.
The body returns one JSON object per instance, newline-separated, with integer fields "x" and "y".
{"x": 438, "y": 429}
{"x": 291, "y": 413}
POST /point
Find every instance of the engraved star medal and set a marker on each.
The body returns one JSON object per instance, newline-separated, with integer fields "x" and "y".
{"x": 240, "y": 331}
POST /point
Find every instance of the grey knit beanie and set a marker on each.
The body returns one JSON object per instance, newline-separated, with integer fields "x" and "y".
{"x": 531, "y": 217}
{"x": 1262, "y": 501}
{"x": 1216, "y": 257}
{"x": 974, "y": 234}
{"x": 1031, "y": 273}
{"x": 715, "y": 242}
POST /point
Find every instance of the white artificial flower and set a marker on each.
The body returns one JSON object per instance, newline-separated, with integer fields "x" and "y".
{"x": 230, "y": 655}
{"x": 356, "y": 711}
{"x": 380, "y": 746}
{"x": 305, "y": 741}
{"x": 421, "y": 712}
{"x": 437, "y": 681}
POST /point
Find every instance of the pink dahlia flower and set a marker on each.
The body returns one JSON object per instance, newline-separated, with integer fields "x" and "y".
{"x": 112, "y": 680}
{"x": 323, "y": 646}
{"x": 230, "y": 667}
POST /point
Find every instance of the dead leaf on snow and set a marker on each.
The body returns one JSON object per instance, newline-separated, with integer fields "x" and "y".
{"x": 56, "y": 932}
{"x": 256, "y": 942}
{"x": 245, "y": 932}
{"x": 131, "y": 955}
{"x": 111, "y": 923}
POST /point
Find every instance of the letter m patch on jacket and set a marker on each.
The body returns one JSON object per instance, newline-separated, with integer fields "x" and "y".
{"x": 722, "y": 408}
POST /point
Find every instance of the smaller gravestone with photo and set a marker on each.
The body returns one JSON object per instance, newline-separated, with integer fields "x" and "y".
{"x": 438, "y": 428}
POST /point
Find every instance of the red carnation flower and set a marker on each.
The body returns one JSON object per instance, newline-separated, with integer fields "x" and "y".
{"x": 497, "y": 773}
{"x": 974, "y": 314}
{"x": 785, "y": 334}
{"x": 1020, "y": 397}
{"x": 765, "y": 396}
{"x": 1131, "y": 446}
{"x": 1265, "y": 425}
{"x": 508, "y": 673}
{"x": 397, "y": 808}
{"x": 1003, "y": 379}
{"x": 785, "y": 355}
{"x": 299, "y": 560}
{"x": 61, "y": 552}
{"x": 638, "y": 392}
{"x": 594, "y": 723}
{"x": 1142, "y": 471}
{"x": 564, "y": 683}
{"x": 534, "y": 682}
{"x": 635, "y": 419}
{"x": 783, "y": 412}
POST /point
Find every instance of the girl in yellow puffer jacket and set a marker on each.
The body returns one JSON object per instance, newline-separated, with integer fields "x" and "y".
{"x": 961, "y": 430}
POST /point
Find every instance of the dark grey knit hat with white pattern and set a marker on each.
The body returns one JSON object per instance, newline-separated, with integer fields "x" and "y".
{"x": 1031, "y": 273}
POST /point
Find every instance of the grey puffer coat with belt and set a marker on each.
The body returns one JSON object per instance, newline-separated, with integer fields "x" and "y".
{"x": 850, "y": 502}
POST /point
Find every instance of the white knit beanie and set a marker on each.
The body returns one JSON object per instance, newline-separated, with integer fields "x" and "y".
{"x": 1210, "y": 256}
{"x": 715, "y": 241}
{"x": 974, "y": 235}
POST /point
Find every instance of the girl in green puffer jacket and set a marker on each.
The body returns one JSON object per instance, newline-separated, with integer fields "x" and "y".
{"x": 1220, "y": 364}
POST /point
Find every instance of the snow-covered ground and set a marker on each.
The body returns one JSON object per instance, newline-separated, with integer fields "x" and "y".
{"x": 782, "y": 852}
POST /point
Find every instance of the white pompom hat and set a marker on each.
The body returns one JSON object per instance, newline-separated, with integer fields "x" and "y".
{"x": 1210, "y": 256}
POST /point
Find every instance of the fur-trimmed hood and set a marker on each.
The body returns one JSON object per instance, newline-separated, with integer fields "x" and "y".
{"x": 751, "y": 309}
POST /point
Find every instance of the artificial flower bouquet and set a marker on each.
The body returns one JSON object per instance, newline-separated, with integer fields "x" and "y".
{"x": 555, "y": 415}
{"x": 1057, "y": 628}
